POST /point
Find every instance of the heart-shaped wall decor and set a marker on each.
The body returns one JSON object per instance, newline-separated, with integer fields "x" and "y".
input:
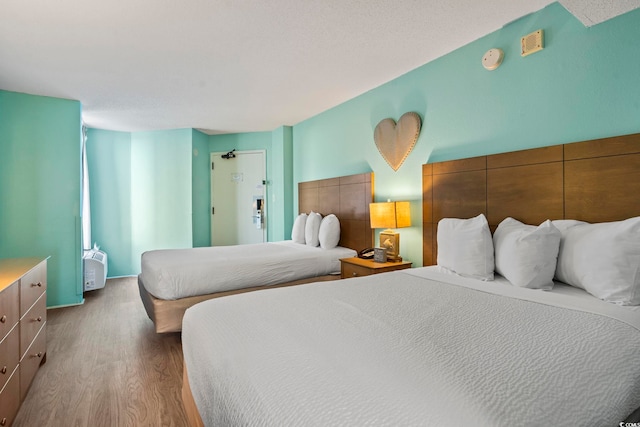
{"x": 396, "y": 140}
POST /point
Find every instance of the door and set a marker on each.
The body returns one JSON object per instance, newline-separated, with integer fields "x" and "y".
{"x": 238, "y": 198}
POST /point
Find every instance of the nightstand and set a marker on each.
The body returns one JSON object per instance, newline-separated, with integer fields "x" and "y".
{"x": 356, "y": 267}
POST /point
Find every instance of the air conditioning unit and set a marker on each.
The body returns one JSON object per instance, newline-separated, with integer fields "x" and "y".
{"x": 94, "y": 263}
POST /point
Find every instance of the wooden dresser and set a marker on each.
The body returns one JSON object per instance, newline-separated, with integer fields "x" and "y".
{"x": 23, "y": 316}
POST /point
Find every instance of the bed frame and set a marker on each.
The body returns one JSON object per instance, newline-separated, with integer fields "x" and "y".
{"x": 347, "y": 197}
{"x": 593, "y": 181}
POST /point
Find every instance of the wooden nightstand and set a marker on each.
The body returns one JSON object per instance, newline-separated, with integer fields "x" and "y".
{"x": 356, "y": 267}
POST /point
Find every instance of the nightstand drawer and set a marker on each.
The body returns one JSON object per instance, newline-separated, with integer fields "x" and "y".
{"x": 358, "y": 267}
{"x": 351, "y": 270}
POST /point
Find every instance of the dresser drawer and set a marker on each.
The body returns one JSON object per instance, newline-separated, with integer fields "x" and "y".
{"x": 32, "y": 285}
{"x": 10, "y": 399}
{"x": 31, "y": 323}
{"x": 9, "y": 299}
{"x": 30, "y": 362}
{"x": 9, "y": 355}
{"x": 351, "y": 270}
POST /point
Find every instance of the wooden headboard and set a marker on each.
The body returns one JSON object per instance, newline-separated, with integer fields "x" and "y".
{"x": 347, "y": 197}
{"x": 594, "y": 181}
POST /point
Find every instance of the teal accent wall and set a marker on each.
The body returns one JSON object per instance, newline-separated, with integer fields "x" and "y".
{"x": 201, "y": 188}
{"x": 149, "y": 190}
{"x": 40, "y": 173}
{"x": 583, "y": 85}
{"x": 281, "y": 185}
{"x": 141, "y": 193}
{"x": 109, "y": 159}
{"x": 160, "y": 191}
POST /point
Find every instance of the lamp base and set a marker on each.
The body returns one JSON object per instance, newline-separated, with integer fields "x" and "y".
{"x": 390, "y": 240}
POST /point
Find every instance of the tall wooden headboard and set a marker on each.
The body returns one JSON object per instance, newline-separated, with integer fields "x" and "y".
{"x": 347, "y": 197}
{"x": 594, "y": 181}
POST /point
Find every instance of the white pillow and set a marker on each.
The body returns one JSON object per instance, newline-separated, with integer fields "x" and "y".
{"x": 329, "y": 233}
{"x": 311, "y": 229}
{"x": 564, "y": 224}
{"x": 603, "y": 259}
{"x": 297, "y": 232}
{"x": 465, "y": 247}
{"x": 526, "y": 255}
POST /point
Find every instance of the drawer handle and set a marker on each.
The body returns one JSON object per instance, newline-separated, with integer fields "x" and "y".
{"x": 3, "y": 319}
{"x": 3, "y": 422}
{"x": 39, "y": 285}
{"x": 355, "y": 274}
{"x": 38, "y": 354}
{"x": 38, "y": 319}
{"x": 4, "y": 370}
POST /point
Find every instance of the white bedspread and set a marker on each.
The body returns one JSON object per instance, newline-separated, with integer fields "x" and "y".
{"x": 178, "y": 273}
{"x": 403, "y": 349}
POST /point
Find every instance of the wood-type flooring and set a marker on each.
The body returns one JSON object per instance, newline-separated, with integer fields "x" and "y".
{"x": 106, "y": 366}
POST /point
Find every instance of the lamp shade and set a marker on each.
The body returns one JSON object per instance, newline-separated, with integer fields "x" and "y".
{"x": 390, "y": 215}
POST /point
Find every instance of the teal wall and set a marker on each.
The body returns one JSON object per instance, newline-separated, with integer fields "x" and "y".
{"x": 40, "y": 171}
{"x": 161, "y": 190}
{"x": 585, "y": 84}
{"x": 141, "y": 193}
{"x": 109, "y": 159}
{"x": 200, "y": 189}
{"x": 281, "y": 184}
{"x": 150, "y": 190}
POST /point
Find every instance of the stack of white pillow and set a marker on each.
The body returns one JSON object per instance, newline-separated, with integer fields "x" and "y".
{"x": 603, "y": 259}
{"x": 314, "y": 230}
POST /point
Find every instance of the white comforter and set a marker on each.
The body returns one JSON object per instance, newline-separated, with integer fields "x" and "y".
{"x": 178, "y": 273}
{"x": 400, "y": 349}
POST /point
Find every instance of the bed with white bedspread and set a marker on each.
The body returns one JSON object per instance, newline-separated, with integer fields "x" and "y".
{"x": 336, "y": 226}
{"x": 171, "y": 274}
{"x": 413, "y": 347}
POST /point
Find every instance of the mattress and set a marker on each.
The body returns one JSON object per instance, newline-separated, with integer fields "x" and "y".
{"x": 412, "y": 347}
{"x": 171, "y": 274}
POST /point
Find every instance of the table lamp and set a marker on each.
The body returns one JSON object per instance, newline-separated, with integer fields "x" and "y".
{"x": 390, "y": 215}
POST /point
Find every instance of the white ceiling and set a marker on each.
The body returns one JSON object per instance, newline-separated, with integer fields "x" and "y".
{"x": 234, "y": 65}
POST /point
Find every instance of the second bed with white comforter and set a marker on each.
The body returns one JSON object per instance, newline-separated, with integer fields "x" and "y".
{"x": 413, "y": 347}
{"x": 170, "y": 274}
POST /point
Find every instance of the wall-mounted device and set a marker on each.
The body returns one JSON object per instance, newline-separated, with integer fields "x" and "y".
{"x": 229, "y": 155}
{"x": 492, "y": 59}
{"x": 258, "y": 209}
{"x": 532, "y": 42}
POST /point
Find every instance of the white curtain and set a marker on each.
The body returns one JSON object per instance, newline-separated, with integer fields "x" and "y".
{"x": 86, "y": 205}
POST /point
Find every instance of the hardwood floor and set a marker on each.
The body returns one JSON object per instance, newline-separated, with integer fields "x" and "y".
{"x": 106, "y": 366}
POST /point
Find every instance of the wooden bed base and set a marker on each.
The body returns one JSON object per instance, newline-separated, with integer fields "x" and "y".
{"x": 167, "y": 314}
{"x": 190, "y": 408}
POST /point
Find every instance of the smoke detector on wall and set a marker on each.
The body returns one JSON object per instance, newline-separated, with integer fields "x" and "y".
{"x": 492, "y": 59}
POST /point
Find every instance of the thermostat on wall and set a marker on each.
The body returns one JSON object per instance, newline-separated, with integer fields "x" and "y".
{"x": 492, "y": 59}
